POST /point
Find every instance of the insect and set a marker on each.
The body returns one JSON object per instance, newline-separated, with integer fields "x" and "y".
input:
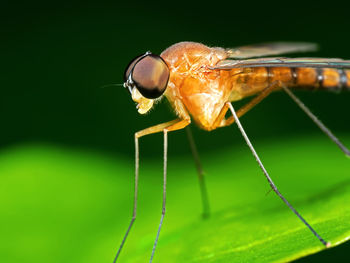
{"x": 201, "y": 83}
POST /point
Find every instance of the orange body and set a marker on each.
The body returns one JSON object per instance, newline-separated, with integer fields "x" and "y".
{"x": 197, "y": 90}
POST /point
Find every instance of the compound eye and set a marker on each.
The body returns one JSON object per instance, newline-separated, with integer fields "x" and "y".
{"x": 131, "y": 66}
{"x": 150, "y": 75}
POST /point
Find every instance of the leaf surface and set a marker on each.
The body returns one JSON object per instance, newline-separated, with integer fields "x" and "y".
{"x": 63, "y": 205}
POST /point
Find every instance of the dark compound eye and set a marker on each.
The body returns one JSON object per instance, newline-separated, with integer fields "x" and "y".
{"x": 131, "y": 66}
{"x": 150, "y": 75}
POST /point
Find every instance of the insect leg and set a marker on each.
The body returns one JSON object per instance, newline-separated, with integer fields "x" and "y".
{"x": 273, "y": 186}
{"x": 150, "y": 130}
{"x": 176, "y": 126}
{"x": 317, "y": 121}
{"x": 135, "y": 197}
{"x": 165, "y": 154}
{"x": 200, "y": 172}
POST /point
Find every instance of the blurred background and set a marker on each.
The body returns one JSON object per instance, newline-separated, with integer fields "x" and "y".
{"x": 57, "y": 56}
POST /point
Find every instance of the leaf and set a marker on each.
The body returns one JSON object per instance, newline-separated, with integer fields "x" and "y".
{"x": 63, "y": 205}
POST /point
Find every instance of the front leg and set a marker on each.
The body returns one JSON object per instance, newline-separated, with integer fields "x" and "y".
{"x": 165, "y": 127}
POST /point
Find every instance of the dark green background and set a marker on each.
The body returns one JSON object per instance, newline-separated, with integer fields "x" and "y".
{"x": 55, "y": 56}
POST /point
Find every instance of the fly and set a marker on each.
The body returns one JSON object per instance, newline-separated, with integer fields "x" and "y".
{"x": 201, "y": 83}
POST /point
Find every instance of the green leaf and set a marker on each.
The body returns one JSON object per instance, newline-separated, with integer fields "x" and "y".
{"x": 63, "y": 205}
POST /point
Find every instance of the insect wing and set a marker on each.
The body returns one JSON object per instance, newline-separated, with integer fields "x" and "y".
{"x": 284, "y": 62}
{"x": 270, "y": 49}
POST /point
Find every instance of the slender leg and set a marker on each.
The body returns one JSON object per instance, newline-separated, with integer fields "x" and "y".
{"x": 273, "y": 186}
{"x": 135, "y": 197}
{"x": 165, "y": 157}
{"x": 176, "y": 126}
{"x": 202, "y": 185}
{"x": 169, "y": 126}
{"x": 317, "y": 121}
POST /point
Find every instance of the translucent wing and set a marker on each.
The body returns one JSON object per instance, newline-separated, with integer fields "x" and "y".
{"x": 284, "y": 62}
{"x": 269, "y": 49}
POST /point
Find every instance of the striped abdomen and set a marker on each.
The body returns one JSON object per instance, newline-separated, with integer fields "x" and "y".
{"x": 322, "y": 78}
{"x": 254, "y": 80}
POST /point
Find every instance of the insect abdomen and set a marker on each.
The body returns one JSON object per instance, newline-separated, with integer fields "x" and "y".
{"x": 336, "y": 80}
{"x": 251, "y": 81}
